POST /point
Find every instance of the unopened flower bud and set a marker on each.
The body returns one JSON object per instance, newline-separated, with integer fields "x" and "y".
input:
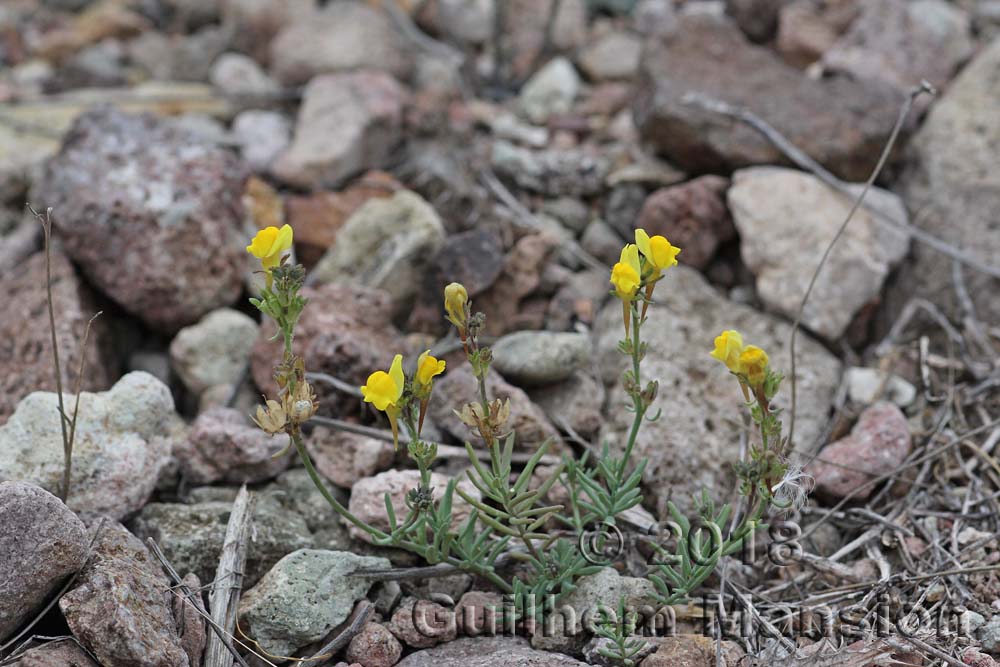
{"x": 455, "y": 299}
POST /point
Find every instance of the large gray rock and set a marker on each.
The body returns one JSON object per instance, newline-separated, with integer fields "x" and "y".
{"x": 304, "y": 596}
{"x": 120, "y": 607}
{"x": 385, "y": 244}
{"x": 214, "y": 351}
{"x": 553, "y": 172}
{"x": 488, "y": 652}
{"x": 26, "y": 362}
{"x": 540, "y": 357}
{"x": 697, "y": 392}
{"x": 151, "y": 214}
{"x": 786, "y": 220}
{"x": 191, "y": 536}
{"x": 41, "y": 544}
{"x": 841, "y": 123}
{"x": 952, "y": 181}
{"x": 123, "y": 441}
{"x": 348, "y": 122}
{"x": 342, "y": 36}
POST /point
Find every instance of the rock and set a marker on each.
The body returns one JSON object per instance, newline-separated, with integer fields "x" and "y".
{"x": 254, "y": 23}
{"x": 577, "y": 400}
{"x": 191, "y": 536}
{"x": 950, "y": 176}
{"x": 368, "y": 498}
{"x": 550, "y": 91}
{"x": 578, "y": 300}
{"x": 613, "y": 56}
{"x": 479, "y": 613}
{"x": 786, "y": 220}
{"x": 692, "y": 215}
{"x": 122, "y": 443}
{"x": 318, "y": 217}
{"x": 552, "y": 172}
{"x": 877, "y": 445}
{"x": 348, "y": 122}
{"x": 842, "y": 124}
{"x": 571, "y": 212}
{"x": 150, "y": 213}
{"x": 898, "y": 43}
{"x": 240, "y": 79}
{"x": 345, "y": 331}
{"x": 807, "y": 30}
{"x": 374, "y": 646}
{"x": 540, "y": 357}
{"x": 989, "y": 635}
{"x": 34, "y": 523}
{"x": 520, "y": 277}
{"x": 866, "y": 385}
{"x": 119, "y": 608}
{"x": 474, "y": 258}
{"x": 458, "y": 387}
{"x": 603, "y": 242}
{"x": 304, "y": 596}
{"x": 692, "y": 651}
{"x": 344, "y": 458}
{"x": 487, "y": 652}
{"x": 622, "y": 207}
{"x": 262, "y": 137}
{"x": 179, "y": 57}
{"x": 696, "y": 390}
{"x": 190, "y": 621}
{"x": 422, "y": 623}
{"x": 342, "y": 36}
{"x": 460, "y": 20}
{"x": 385, "y": 244}
{"x": 525, "y": 30}
{"x": 214, "y": 351}
{"x": 296, "y": 491}
{"x": 58, "y": 653}
{"x": 757, "y": 18}
{"x": 26, "y": 362}
{"x": 223, "y": 445}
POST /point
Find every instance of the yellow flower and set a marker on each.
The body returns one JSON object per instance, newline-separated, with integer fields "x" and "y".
{"x": 455, "y": 298}
{"x": 625, "y": 274}
{"x": 269, "y": 244}
{"x": 657, "y": 250}
{"x": 728, "y": 348}
{"x": 427, "y": 368}
{"x": 383, "y": 390}
{"x": 753, "y": 364}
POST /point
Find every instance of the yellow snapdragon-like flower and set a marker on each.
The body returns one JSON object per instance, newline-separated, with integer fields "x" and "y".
{"x": 753, "y": 365}
{"x": 626, "y": 278}
{"x": 384, "y": 390}
{"x": 455, "y": 298}
{"x": 269, "y": 244}
{"x": 657, "y": 250}
{"x": 625, "y": 274}
{"x": 427, "y": 368}
{"x": 728, "y": 348}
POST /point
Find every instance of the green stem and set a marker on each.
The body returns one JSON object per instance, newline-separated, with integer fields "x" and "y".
{"x": 637, "y": 404}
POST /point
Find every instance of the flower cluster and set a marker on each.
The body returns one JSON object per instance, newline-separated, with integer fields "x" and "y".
{"x": 392, "y": 394}
{"x": 641, "y": 265}
{"x": 749, "y": 363}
